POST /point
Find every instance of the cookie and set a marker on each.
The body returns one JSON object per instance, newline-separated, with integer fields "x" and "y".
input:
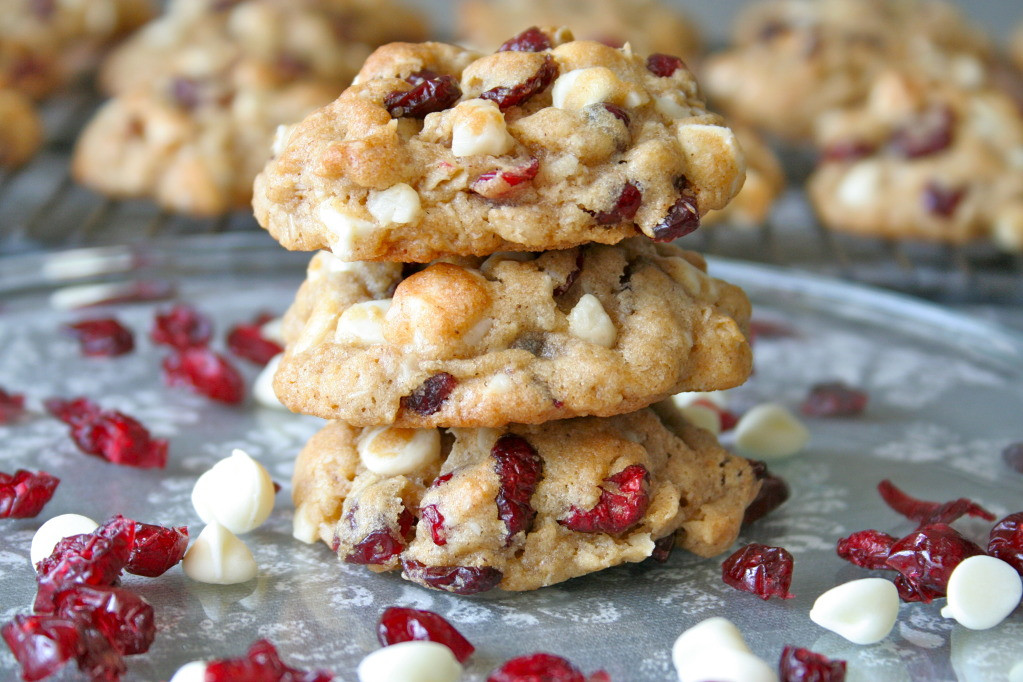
{"x": 765, "y": 181}
{"x": 923, "y": 161}
{"x": 596, "y": 330}
{"x": 436, "y": 150}
{"x": 22, "y": 131}
{"x": 649, "y": 26}
{"x": 795, "y": 59}
{"x": 520, "y": 507}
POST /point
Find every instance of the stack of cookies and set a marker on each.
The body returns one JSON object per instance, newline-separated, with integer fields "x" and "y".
{"x": 494, "y": 309}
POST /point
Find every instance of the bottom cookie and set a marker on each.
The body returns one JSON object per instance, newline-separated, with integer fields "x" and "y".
{"x": 521, "y": 507}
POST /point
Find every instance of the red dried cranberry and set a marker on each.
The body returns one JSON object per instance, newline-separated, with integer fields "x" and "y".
{"x": 94, "y": 559}
{"x": 102, "y": 337}
{"x": 929, "y": 134}
{"x": 530, "y": 40}
{"x": 769, "y": 329}
{"x": 516, "y": 95}
{"x": 442, "y": 479}
{"x": 435, "y": 520}
{"x": 541, "y": 667}
{"x": 41, "y": 644}
{"x": 261, "y": 664}
{"x": 499, "y": 183}
{"x": 662, "y": 548}
{"x": 156, "y": 549}
{"x": 629, "y": 201}
{"x": 375, "y": 549}
{"x": 664, "y": 65}
{"x": 910, "y": 591}
{"x": 926, "y": 513}
{"x": 927, "y": 556}
{"x": 1006, "y": 542}
{"x": 761, "y": 570}
{"x": 430, "y": 93}
{"x": 12, "y": 406}
{"x": 205, "y": 371}
{"x": 247, "y": 341}
{"x": 615, "y": 512}
{"x": 413, "y": 625}
{"x": 803, "y": 665}
{"x": 187, "y": 92}
{"x": 456, "y": 579}
{"x": 406, "y": 525}
{"x": 849, "y": 150}
{"x": 834, "y": 399}
{"x": 942, "y": 201}
{"x": 181, "y": 327}
{"x": 23, "y": 494}
{"x": 111, "y": 435}
{"x": 518, "y": 468}
{"x": 123, "y": 617}
{"x": 774, "y": 491}
{"x": 1012, "y": 455}
{"x": 430, "y": 395}
{"x": 682, "y": 218}
{"x": 43, "y": 9}
{"x": 867, "y": 549}
{"x": 98, "y": 659}
{"x": 561, "y": 289}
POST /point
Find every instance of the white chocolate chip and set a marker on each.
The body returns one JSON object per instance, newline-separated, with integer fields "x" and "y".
{"x": 55, "y": 530}
{"x": 590, "y": 322}
{"x": 982, "y": 592}
{"x": 712, "y": 633}
{"x": 863, "y": 611}
{"x": 703, "y": 417}
{"x": 272, "y": 330}
{"x": 346, "y": 229}
{"x": 714, "y": 649}
{"x": 669, "y": 107}
{"x": 499, "y": 384}
{"x": 190, "y": 672}
{"x": 322, "y": 322}
{"x": 1007, "y": 230}
{"x": 1016, "y": 674}
{"x": 478, "y": 127}
{"x": 391, "y": 451}
{"x": 713, "y": 150}
{"x": 396, "y": 204}
{"x": 770, "y": 431}
{"x": 686, "y": 398}
{"x": 303, "y": 528}
{"x": 282, "y": 135}
{"x": 861, "y": 184}
{"x": 263, "y": 386}
{"x": 363, "y": 323}
{"x": 415, "y": 661}
{"x": 580, "y": 88}
{"x": 237, "y": 492}
{"x": 218, "y": 557}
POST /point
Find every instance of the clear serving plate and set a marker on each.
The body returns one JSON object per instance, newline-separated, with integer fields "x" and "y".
{"x": 945, "y": 398}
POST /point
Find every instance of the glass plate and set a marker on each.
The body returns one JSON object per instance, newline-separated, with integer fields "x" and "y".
{"x": 945, "y": 399}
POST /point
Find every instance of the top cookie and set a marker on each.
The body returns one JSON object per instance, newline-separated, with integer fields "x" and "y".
{"x": 22, "y": 131}
{"x": 547, "y": 144}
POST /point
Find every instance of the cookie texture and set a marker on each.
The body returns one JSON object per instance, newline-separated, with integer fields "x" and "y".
{"x": 765, "y": 181}
{"x": 795, "y": 59}
{"x": 649, "y": 26}
{"x": 526, "y": 338}
{"x": 519, "y": 507}
{"x": 923, "y": 161}
{"x": 437, "y": 150}
{"x": 22, "y": 131}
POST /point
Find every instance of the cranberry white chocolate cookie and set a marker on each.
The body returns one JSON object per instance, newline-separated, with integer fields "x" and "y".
{"x": 765, "y": 181}
{"x": 596, "y": 330}
{"x": 795, "y": 59}
{"x": 649, "y": 26}
{"x": 21, "y": 132}
{"x": 922, "y": 160}
{"x": 520, "y": 507}
{"x": 548, "y": 143}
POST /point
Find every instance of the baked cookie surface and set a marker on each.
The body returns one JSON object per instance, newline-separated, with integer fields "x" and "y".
{"x": 765, "y": 181}
{"x": 21, "y": 132}
{"x": 519, "y": 507}
{"x": 596, "y": 330}
{"x": 436, "y": 150}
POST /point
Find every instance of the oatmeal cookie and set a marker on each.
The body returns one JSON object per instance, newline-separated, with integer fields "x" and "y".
{"x": 436, "y": 150}
{"x": 22, "y": 131}
{"x": 795, "y": 59}
{"x": 595, "y": 330}
{"x": 520, "y": 507}
{"x": 765, "y": 181}
{"x": 649, "y": 26}
{"x": 923, "y": 161}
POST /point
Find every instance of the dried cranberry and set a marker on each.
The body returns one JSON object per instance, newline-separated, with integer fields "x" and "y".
{"x": 561, "y": 289}
{"x": 682, "y": 218}
{"x": 406, "y": 525}
{"x": 617, "y": 112}
{"x": 774, "y": 491}
{"x": 456, "y": 579}
{"x": 803, "y": 665}
{"x": 926, "y": 513}
{"x": 1006, "y": 542}
{"x": 910, "y": 591}
{"x": 23, "y": 494}
{"x": 435, "y": 520}
{"x": 375, "y": 549}
{"x": 247, "y": 341}
{"x": 181, "y": 327}
{"x": 430, "y": 395}
{"x": 867, "y": 549}
{"x": 518, "y": 468}
{"x": 929, "y": 134}
{"x": 413, "y": 625}
{"x": 187, "y": 92}
{"x": 664, "y": 65}
{"x": 95, "y": 559}
{"x": 849, "y": 150}
{"x": 662, "y": 548}
{"x": 261, "y": 664}
{"x": 530, "y": 40}
{"x": 761, "y": 570}
{"x": 111, "y": 435}
{"x": 615, "y": 512}
{"x": 156, "y": 549}
{"x": 834, "y": 399}
{"x": 541, "y": 667}
{"x": 628, "y": 202}
{"x": 942, "y": 201}
{"x": 123, "y": 617}
{"x": 516, "y": 95}
{"x": 12, "y": 406}
{"x": 41, "y": 644}
{"x": 499, "y": 183}
{"x": 429, "y": 93}
{"x": 205, "y": 371}
{"x": 102, "y": 337}
{"x": 98, "y": 659}
{"x": 927, "y": 556}
{"x": 1012, "y": 455}
{"x": 769, "y": 329}
{"x": 43, "y": 9}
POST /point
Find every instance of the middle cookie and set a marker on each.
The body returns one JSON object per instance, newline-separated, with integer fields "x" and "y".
{"x": 523, "y": 338}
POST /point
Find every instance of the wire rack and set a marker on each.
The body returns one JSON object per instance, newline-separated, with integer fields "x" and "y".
{"x": 42, "y": 208}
